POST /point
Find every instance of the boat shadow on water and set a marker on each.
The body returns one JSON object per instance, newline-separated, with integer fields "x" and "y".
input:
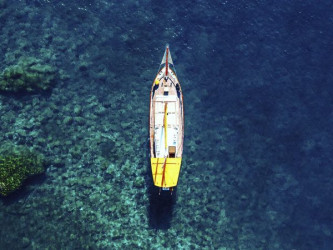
{"x": 161, "y": 203}
{"x": 160, "y": 209}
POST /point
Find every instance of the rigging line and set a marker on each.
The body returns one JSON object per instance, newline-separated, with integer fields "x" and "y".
{"x": 156, "y": 170}
{"x": 164, "y": 167}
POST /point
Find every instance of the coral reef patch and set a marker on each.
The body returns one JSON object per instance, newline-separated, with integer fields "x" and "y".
{"x": 29, "y": 75}
{"x": 17, "y": 165}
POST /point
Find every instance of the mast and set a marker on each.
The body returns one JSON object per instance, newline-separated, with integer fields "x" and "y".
{"x": 163, "y": 174}
{"x": 165, "y": 138}
{"x": 166, "y": 61}
{"x": 166, "y": 125}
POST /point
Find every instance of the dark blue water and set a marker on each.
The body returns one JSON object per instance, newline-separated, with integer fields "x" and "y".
{"x": 257, "y": 83}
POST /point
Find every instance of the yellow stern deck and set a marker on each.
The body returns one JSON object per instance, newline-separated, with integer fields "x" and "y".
{"x": 167, "y": 176}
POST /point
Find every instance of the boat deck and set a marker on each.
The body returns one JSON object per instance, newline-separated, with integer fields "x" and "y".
{"x": 166, "y": 97}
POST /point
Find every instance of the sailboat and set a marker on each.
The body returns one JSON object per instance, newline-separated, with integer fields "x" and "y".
{"x": 166, "y": 125}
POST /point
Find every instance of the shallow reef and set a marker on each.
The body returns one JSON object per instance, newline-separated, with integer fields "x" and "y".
{"x": 16, "y": 166}
{"x": 28, "y": 75}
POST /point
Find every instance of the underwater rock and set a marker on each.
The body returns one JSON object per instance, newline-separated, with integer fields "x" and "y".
{"x": 25, "y": 242}
{"x": 29, "y": 75}
{"x": 77, "y": 110}
{"x": 110, "y": 169}
{"x": 139, "y": 182}
{"x": 16, "y": 166}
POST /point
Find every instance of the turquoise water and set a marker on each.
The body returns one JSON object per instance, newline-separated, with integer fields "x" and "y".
{"x": 257, "y": 84}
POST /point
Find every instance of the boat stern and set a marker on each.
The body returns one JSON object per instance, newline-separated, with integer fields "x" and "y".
{"x": 165, "y": 171}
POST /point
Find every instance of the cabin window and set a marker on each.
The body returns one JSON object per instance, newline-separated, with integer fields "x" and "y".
{"x": 172, "y": 151}
{"x": 166, "y": 91}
